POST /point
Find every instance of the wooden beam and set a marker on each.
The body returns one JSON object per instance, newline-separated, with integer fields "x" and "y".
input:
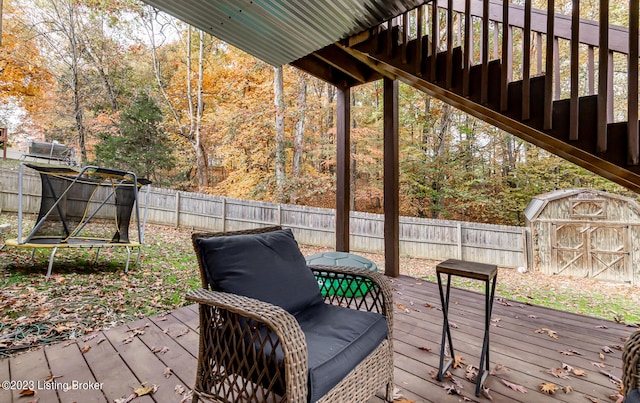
{"x": 343, "y": 172}
{"x": 633, "y": 156}
{"x": 391, "y": 180}
{"x": 323, "y": 71}
{"x": 335, "y": 57}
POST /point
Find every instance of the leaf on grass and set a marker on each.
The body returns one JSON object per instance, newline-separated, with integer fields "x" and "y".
{"x": 548, "y": 388}
{"x": 552, "y": 333}
{"x": 167, "y": 372}
{"x": 516, "y": 387}
{"x": 85, "y": 349}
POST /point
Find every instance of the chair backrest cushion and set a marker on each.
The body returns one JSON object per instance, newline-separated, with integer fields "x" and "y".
{"x": 267, "y": 266}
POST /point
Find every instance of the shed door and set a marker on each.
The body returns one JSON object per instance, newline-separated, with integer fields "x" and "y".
{"x": 592, "y": 250}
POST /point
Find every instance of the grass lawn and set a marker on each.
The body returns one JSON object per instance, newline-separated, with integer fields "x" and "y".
{"x": 82, "y": 296}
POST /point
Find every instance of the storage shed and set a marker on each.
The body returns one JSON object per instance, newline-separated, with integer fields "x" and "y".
{"x": 585, "y": 233}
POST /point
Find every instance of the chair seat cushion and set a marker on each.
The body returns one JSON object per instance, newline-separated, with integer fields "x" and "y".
{"x": 267, "y": 266}
{"x": 633, "y": 396}
{"x": 338, "y": 339}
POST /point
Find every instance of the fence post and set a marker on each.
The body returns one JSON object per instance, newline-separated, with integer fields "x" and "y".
{"x": 280, "y": 214}
{"x": 224, "y": 215}
{"x": 459, "y": 228}
{"x": 177, "y": 211}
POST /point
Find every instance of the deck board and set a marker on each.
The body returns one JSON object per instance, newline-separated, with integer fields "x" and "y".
{"x": 525, "y": 355}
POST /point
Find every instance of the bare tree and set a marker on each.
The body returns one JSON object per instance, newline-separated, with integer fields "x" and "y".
{"x": 278, "y": 99}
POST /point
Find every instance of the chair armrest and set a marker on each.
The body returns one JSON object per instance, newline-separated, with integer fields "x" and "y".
{"x": 631, "y": 364}
{"x": 378, "y": 299}
{"x": 214, "y": 305}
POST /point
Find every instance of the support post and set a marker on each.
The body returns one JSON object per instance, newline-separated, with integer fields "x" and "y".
{"x": 343, "y": 175}
{"x": 391, "y": 180}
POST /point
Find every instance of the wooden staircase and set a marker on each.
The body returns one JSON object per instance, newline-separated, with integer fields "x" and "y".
{"x": 467, "y": 52}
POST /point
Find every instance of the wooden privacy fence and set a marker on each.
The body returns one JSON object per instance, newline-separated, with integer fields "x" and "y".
{"x": 419, "y": 237}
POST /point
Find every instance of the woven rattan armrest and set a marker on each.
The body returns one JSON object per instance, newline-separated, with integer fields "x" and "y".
{"x": 631, "y": 364}
{"x": 282, "y": 323}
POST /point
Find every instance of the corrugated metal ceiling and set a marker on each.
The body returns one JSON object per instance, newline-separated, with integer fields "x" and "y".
{"x": 281, "y": 31}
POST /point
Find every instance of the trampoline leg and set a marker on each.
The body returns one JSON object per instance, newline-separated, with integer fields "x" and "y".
{"x": 126, "y": 267}
{"x": 33, "y": 254}
{"x": 138, "y": 257}
{"x": 95, "y": 260}
{"x": 53, "y": 253}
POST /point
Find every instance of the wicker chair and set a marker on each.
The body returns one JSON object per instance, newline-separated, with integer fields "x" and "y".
{"x": 261, "y": 344}
{"x": 631, "y": 369}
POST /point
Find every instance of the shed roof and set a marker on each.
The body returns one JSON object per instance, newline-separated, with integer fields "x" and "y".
{"x": 539, "y": 202}
{"x": 282, "y": 31}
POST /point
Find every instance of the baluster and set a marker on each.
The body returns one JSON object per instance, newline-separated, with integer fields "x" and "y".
{"x": 506, "y": 57}
{"x": 526, "y": 62}
{"x": 633, "y": 142}
{"x": 603, "y": 77}
{"x": 539, "y": 57}
{"x": 575, "y": 48}
{"x": 484, "y": 81}
{"x": 405, "y": 36}
{"x": 468, "y": 48}
{"x": 548, "y": 82}
{"x": 418, "y": 50}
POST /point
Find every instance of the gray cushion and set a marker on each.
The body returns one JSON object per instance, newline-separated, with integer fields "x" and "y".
{"x": 633, "y": 396}
{"x": 338, "y": 339}
{"x": 268, "y": 267}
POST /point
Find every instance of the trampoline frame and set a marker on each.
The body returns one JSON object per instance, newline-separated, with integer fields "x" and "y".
{"x": 80, "y": 242}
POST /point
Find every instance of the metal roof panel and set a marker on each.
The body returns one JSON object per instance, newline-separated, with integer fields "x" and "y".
{"x": 281, "y": 31}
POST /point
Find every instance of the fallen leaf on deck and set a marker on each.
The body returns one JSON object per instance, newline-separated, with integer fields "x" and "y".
{"x": 404, "y": 401}
{"x": 579, "y": 372}
{"x": 167, "y": 372}
{"x": 27, "y": 392}
{"x": 552, "y": 333}
{"x": 497, "y": 368}
{"x": 558, "y": 373}
{"x": 548, "y": 388}
{"x": 598, "y": 364}
{"x": 607, "y": 349}
{"x": 90, "y": 337}
{"x": 618, "y": 398}
{"x": 451, "y": 389}
{"x": 145, "y": 390}
{"x": 126, "y": 399}
{"x": 567, "y": 389}
{"x": 425, "y": 349}
{"x": 458, "y": 362}
{"x": 471, "y": 373}
{"x": 179, "y": 389}
{"x": 592, "y": 399}
{"x": 532, "y": 316}
{"x": 602, "y": 356}
{"x": 516, "y": 387}
{"x": 485, "y": 393}
{"x": 85, "y": 349}
{"x": 187, "y": 397}
{"x": 567, "y": 367}
{"x": 602, "y": 327}
{"x": 162, "y": 350}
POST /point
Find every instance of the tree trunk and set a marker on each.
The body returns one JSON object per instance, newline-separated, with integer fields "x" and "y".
{"x": 75, "y": 84}
{"x": 278, "y": 99}
{"x": 201, "y": 154}
{"x": 298, "y": 140}
{"x": 437, "y": 184}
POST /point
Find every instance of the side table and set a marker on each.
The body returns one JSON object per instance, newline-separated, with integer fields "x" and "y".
{"x": 477, "y": 271}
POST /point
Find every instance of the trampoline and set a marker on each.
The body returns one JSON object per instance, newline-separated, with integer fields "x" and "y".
{"x": 90, "y": 208}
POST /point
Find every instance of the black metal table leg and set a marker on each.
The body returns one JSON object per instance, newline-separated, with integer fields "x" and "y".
{"x": 478, "y": 271}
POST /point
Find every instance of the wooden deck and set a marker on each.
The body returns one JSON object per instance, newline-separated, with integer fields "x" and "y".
{"x": 123, "y": 358}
